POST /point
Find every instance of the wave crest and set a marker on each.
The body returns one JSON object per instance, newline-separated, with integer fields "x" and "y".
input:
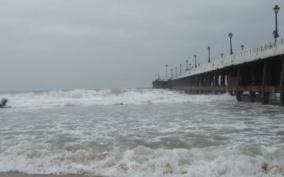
{"x": 81, "y": 97}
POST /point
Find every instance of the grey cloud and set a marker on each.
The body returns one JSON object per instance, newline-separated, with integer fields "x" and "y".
{"x": 59, "y": 44}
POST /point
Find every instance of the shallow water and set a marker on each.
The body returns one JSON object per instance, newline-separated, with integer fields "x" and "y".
{"x": 133, "y": 133}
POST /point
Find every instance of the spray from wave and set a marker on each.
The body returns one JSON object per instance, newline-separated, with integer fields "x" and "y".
{"x": 80, "y": 97}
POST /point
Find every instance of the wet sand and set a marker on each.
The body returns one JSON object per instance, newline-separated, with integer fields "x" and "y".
{"x": 15, "y": 174}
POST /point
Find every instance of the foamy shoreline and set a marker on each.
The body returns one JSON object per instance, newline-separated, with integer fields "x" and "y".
{"x": 16, "y": 174}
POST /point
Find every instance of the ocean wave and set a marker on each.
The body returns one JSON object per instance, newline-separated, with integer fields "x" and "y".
{"x": 116, "y": 97}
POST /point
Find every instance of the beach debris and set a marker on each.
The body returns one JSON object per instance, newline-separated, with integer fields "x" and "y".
{"x": 3, "y": 102}
{"x": 168, "y": 169}
{"x": 266, "y": 168}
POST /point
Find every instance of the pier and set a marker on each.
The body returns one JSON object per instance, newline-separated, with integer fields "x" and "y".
{"x": 256, "y": 73}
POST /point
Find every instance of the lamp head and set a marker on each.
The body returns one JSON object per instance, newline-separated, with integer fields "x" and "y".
{"x": 276, "y": 9}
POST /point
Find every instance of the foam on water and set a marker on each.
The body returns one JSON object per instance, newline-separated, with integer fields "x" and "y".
{"x": 220, "y": 161}
{"x": 138, "y": 133}
{"x": 51, "y": 99}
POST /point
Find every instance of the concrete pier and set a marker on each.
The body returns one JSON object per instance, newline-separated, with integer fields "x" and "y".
{"x": 257, "y": 73}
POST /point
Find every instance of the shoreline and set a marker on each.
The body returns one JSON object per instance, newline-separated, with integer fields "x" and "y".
{"x": 18, "y": 174}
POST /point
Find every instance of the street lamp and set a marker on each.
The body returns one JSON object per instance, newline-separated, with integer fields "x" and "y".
{"x": 176, "y": 71}
{"x": 195, "y": 64}
{"x": 166, "y": 71}
{"x": 180, "y": 69}
{"x": 242, "y": 47}
{"x": 275, "y": 32}
{"x": 187, "y": 65}
{"x": 231, "y": 47}
{"x": 172, "y": 73}
{"x": 209, "y": 54}
{"x": 222, "y": 55}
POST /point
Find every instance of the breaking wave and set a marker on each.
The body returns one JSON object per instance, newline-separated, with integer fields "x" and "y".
{"x": 220, "y": 161}
{"x": 138, "y": 133}
{"x": 101, "y": 97}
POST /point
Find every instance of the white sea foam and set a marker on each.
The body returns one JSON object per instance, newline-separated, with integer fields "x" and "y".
{"x": 220, "y": 161}
{"x": 138, "y": 133}
{"x": 79, "y": 97}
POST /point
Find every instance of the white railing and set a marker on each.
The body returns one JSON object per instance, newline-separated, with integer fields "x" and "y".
{"x": 262, "y": 51}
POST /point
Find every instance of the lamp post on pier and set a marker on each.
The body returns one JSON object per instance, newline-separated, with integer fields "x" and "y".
{"x": 275, "y": 32}
{"x": 209, "y": 48}
{"x": 176, "y": 71}
{"x": 166, "y": 71}
{"x": 222, "y": 55}
{"x": 187, "y": 65}
{"x": 172, "y": 73}
{"x": 231, "y": 46}
{"x": 195, "y": 64}
{"x": 180, "y": 69}
{"x": 242, "y": 47}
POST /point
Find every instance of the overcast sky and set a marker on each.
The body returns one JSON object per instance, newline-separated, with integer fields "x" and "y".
{"x": 65, "y": 44}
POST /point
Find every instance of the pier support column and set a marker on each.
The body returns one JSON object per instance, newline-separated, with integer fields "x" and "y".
{"x": 238, "y": 93}
{"x": 252, "y": 96}
{"x": 252, "y": 82}
{"x": 223, "y": 80}
{"x": 264, "y": 94}
{"x": 207, "y": 83}
{"x": 212, "y": 83}
{"x": 202, "y": 83}
{"x": 229, "y": 77}
{"x": 216, "y": 83}
{"x": 282, "y": 83}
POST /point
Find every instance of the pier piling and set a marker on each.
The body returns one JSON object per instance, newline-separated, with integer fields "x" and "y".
{"x": 282, "y": 82}
{"x": 264, "y": 93}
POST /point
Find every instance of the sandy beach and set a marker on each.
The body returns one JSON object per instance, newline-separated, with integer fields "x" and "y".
{"x": 15, "y": 174}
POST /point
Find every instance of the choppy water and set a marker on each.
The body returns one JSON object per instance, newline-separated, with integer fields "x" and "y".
{"x": 135, "y": 133}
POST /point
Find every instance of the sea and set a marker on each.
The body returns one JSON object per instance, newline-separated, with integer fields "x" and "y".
{"x": 140, "y": 133}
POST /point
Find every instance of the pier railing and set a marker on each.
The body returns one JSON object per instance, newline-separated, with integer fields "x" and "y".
{"x": 262, "y": 51}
